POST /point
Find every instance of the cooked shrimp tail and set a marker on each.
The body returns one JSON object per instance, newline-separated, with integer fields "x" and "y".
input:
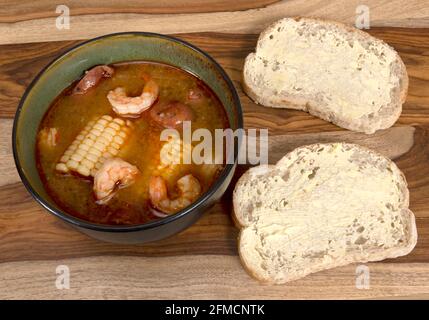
{"x": 188, "y": 187}
{"x": 114, "y": 173}
{"x": 133, "y": 106}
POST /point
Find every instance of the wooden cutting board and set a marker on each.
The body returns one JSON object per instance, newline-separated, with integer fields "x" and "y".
{"x": 202, "y": 261}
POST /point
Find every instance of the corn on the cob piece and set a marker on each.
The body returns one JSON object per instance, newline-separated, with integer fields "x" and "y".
{"x": 172, "y": 153}
{"x": 98, "y": 141}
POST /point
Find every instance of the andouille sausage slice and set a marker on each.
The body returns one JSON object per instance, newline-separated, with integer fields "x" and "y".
{"x": 171, "y": 114}
{"x": 92, "y": 77}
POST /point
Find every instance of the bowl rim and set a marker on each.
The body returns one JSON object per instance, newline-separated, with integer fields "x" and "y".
{"x": 138, "y": 227}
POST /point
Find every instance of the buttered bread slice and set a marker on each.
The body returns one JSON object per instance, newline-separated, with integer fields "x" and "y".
{"x": 333, "y": 71}
{"x": 322, "y": 206}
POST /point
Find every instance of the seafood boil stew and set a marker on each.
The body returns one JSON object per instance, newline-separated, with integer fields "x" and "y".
{"x": 99, "y": 148}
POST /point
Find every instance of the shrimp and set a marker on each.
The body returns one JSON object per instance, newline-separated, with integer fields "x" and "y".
{"x": 172, "y": 114}
{"x": 189, "y": 190}
{"x": 114, "y": 173}
{"x": 92, "y": 78}
{"x": 133, "y": 106}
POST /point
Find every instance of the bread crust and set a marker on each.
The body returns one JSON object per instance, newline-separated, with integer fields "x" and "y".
{"x": 376, "y": 256}
{"x": 312, "y": 106}
{"x": 247, "y": 267}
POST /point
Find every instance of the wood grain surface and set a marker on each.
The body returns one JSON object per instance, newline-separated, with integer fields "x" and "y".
{"x": 34, "y": 21}
{"x": 202, "y": 261}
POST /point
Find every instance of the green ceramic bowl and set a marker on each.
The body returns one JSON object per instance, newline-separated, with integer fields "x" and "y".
{"x": 119, "y": 47}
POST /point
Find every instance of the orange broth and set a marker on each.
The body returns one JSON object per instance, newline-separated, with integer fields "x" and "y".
{"x": 70, "y": 113}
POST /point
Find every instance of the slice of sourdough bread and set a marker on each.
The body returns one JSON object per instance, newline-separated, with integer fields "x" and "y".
{"x": 333, "y": 71}
{"x": 322, "y": 206}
